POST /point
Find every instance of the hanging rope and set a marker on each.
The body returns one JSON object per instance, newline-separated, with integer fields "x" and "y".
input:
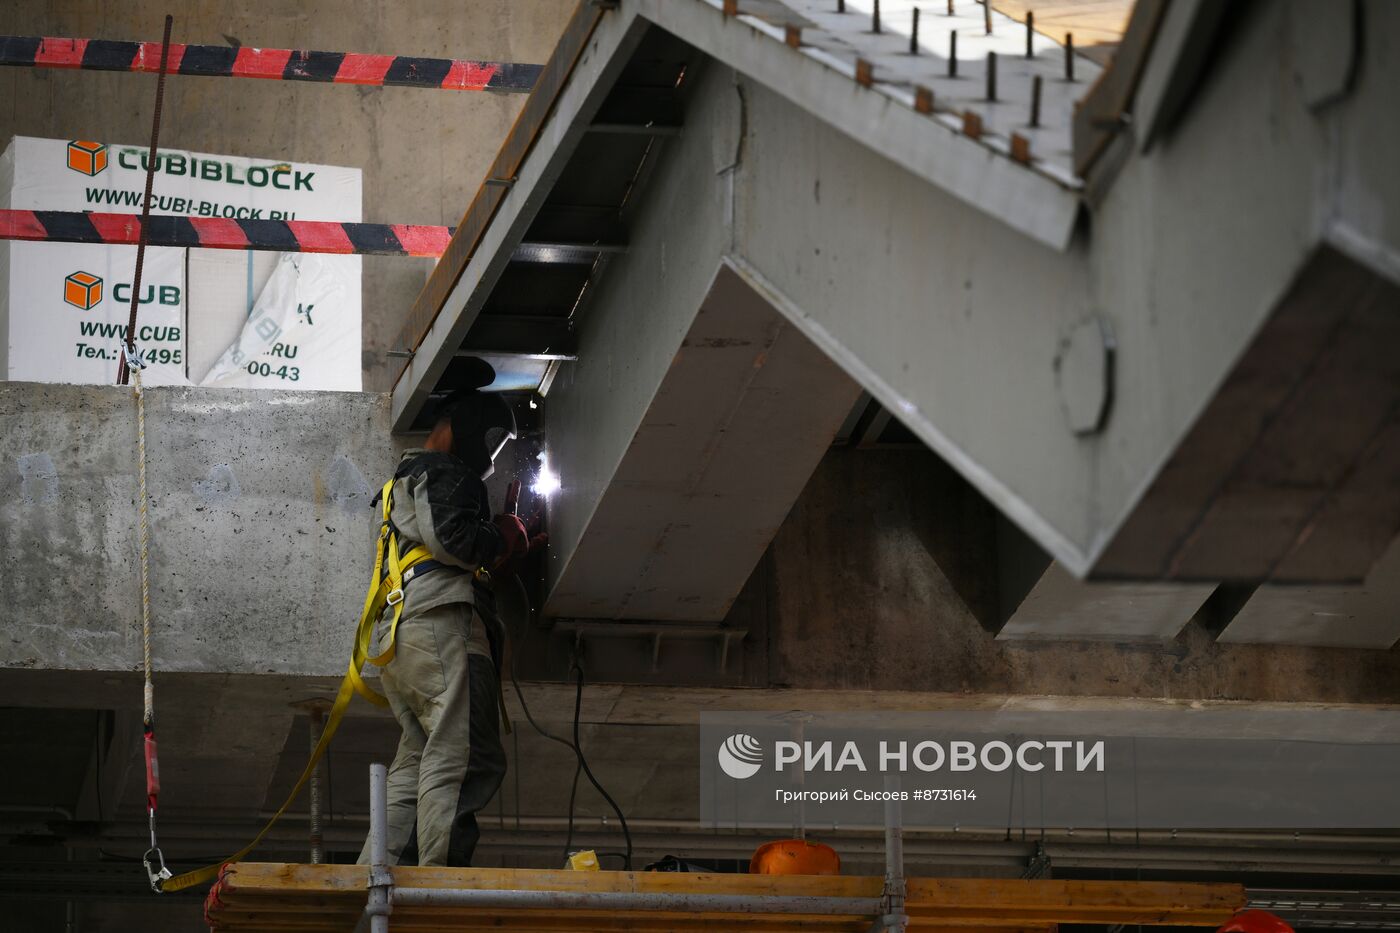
{"x": 153, "y": 859}
{"x": 148, "y": 717}
{"x": 131, "y": 365}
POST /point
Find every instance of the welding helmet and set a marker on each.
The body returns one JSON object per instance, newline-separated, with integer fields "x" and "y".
{"x": 482, "y": 424}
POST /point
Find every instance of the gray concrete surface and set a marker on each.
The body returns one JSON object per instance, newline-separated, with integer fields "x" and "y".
{"x": 863, "y": 588}
{"x": 869, "y": 605}
{"x": 259, "y": 521}
{"x": 423, "y": 151}
{"x": 598, "y": 403}
{"x": 1363, "y": 616}
{"x": 683, "y": 522}
{"x": 1060, "y": 606}
{"x": 867, "y": 594}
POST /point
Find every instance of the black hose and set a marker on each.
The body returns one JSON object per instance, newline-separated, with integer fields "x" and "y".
{"x": 581, "y": 764}
{"x": 519, "y": 694}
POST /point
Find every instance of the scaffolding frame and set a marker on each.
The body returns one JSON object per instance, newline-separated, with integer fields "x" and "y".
{"x": 887, "y": 912}
{"x": 302, "y": 898}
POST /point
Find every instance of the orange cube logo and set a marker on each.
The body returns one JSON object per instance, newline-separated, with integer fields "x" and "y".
{"x": 82, "y": 290}
{"x": 86, "y": 156}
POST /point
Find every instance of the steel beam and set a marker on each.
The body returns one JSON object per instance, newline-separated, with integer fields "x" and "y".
{"x": 548, "y": 130}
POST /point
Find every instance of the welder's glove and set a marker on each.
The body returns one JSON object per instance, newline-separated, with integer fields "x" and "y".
{"x": 516, "y": 544}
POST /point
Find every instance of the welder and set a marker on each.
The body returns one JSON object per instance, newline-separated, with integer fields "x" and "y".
{"x": 440, "y": 632}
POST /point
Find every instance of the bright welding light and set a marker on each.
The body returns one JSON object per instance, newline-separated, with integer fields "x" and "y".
{"x": 546, "y": 480}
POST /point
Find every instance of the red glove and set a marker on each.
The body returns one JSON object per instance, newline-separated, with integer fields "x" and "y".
{"x": 516, "y": 540}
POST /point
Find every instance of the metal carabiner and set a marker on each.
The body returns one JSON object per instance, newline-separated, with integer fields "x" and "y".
{"x": 157, "y": 875}
{"x": 132, "y": 355}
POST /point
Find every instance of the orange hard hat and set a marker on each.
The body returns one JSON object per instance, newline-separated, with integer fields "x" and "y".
{"x": 1255, "y": 921}
{"x": 795, "y": 857}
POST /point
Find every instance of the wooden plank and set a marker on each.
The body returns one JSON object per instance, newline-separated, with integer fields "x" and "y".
{"x": 1097, "y": 118}
{"x": 1048, "y": 901}
{"x": 312, "y": 898}
{"x": 1098, "y": 25}
{"x": 433, "y": 920}
{"x": 312, "y": 880}
{"x": 502, "y": 173}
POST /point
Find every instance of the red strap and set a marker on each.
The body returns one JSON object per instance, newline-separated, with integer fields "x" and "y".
{"x": 152, "y": 770}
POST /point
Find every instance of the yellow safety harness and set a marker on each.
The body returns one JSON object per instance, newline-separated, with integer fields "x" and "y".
{"x": 385, "y": 589}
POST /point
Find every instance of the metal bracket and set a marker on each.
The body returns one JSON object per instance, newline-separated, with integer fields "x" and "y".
{"x": 1039, "y": 866}
{"x": 722, "y": 636}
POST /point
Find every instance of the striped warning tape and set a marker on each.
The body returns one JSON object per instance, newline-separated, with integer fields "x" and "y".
{"x": 276, "y": 64}
{"x": 288, "y": 236}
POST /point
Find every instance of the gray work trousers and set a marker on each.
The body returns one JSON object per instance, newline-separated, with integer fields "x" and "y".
{"x": 450, "y": 761}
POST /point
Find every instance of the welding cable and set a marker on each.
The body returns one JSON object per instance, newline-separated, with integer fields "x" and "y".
{"x": 514, "y": 656}
{"x": 588, "y": 772}
{"x": 573, "y": 798}
{"x": 581, "y": 764}
{"x": 514, "y": 682}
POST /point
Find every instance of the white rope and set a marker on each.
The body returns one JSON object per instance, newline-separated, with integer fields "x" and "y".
{"x": 149, "y": 693}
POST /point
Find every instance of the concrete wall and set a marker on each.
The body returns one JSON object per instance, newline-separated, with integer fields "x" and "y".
{"x": 423, "y": 152}
{"x": 865, "y": 596}
{"x": 260, "y": 523}
{"x": 260, "y": 547}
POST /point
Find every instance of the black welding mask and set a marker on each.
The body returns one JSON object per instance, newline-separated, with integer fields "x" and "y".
{"x": 482, "y": 424}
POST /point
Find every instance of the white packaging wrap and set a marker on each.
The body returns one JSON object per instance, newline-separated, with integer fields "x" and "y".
{"x": 304, "y": 312}
{"x": 216, "y": 287}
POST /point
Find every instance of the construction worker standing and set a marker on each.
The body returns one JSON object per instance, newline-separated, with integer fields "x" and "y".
{"x": 442, "y": 676}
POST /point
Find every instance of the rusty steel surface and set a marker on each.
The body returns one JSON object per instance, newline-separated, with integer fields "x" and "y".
{"x": 1098, "y": 120}
{"x": 503, "y": 170}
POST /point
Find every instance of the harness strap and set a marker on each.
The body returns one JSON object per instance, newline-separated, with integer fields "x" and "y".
{"x": 385, "y": 589}
{"x": 392, "y": 571}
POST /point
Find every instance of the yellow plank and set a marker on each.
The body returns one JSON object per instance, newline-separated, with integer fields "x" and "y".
{"x": 312, "y": 898}
{"x": 1097, "y": 25}
{"x": 250, "y": 877}
{"x": 1048, "y": 901}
